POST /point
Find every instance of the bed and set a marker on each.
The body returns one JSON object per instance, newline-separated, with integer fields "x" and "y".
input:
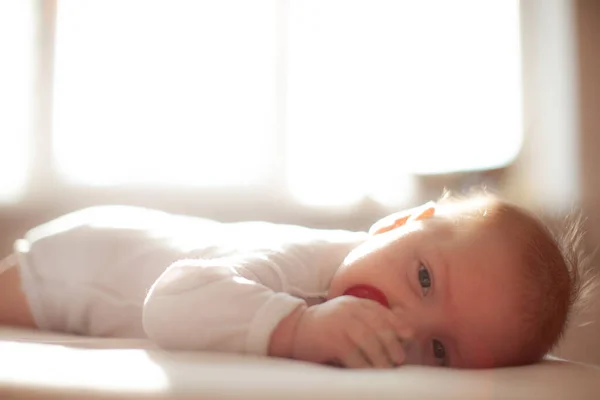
{"x": 40, "y": 365}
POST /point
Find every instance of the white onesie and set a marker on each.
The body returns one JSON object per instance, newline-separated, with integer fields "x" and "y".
{"x": 184, "y": 282}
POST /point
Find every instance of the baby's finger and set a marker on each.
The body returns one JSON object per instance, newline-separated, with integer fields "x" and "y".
{"x": 403, "y": 331}
{"x": 372, "y": 347}
{"x": 380, "y": 318}
{"x": 393, "y": 346}
{"x": 355, "y": 359}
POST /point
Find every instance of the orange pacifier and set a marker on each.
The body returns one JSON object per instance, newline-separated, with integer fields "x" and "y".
{"x": 368, "y": 292}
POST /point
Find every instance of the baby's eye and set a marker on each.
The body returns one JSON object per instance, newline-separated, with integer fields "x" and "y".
{"x": 439, "y": 352}
{"x": 424, "y": 279}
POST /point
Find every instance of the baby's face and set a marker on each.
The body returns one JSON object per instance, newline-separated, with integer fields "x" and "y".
{"x": 452, "y": 288}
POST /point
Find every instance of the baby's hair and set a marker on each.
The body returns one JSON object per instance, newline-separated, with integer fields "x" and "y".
{"x": 556, "y": 275}
{"x": 570, "y": 240}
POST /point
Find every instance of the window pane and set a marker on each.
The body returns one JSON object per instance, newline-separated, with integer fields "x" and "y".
{"x": 164, "y": 91}
{"x": 381, "y": 89}
{"x": 16, "y": 47}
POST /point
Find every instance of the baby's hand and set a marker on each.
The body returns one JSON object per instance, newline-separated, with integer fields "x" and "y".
{"x": 350, "y": 331}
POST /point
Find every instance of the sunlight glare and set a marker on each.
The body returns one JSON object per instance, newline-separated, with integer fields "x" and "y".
{"x": 168, "y": 92}
{"x": 378, "y": 90}
{"x": 16, "y": 79}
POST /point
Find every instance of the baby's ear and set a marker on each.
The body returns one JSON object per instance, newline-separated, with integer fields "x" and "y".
{"x": 398, "y": 219}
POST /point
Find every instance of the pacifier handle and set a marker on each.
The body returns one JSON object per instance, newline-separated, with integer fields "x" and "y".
{"x": 368, "y": 292}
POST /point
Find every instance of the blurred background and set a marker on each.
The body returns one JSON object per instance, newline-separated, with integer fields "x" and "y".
{"x": 327, "y": 113}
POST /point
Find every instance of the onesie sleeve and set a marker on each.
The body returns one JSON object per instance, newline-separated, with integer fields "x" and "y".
{"x": 217, "y": 305}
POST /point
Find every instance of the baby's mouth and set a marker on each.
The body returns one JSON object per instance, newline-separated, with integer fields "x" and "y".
{"x": 368, "y": 292}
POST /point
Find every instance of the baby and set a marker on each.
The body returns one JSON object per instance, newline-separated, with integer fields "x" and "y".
{"x": 466, "y": 283}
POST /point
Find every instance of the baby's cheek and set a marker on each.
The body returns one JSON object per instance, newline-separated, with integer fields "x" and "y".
{"x": 365, "y": 267}
{"x": 346, "y": 276}
{"x": 488, "y": 353}
{"x": 485, "y": 357}
{"x": 336, "y": 287}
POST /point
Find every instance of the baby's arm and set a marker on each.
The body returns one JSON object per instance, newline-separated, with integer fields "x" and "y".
{"x": 216, "y": 305}
{"x": 210, "y": 305}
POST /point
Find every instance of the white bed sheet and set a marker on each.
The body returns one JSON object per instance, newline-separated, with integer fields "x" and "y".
{"x": 38, "y": 365}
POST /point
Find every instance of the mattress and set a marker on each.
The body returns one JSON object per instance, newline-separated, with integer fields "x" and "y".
{"x": 40, "y": 365}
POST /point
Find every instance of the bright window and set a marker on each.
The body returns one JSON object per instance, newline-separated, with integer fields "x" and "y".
{"x": 16, "y": 79}
{"x": 353, "y": 95}
{"x": 169, "y": 92}
{"x": 381, "y": 89}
